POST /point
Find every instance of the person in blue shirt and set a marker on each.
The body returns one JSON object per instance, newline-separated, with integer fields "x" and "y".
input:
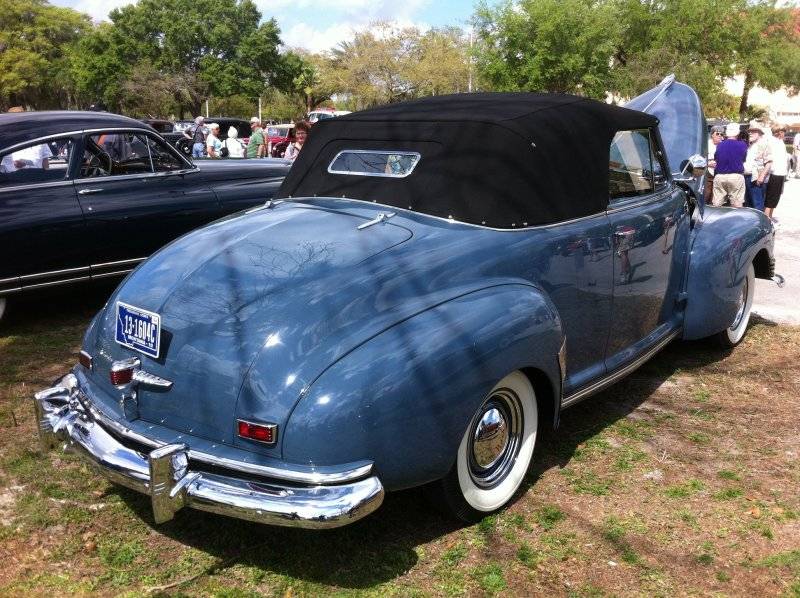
{"x": 729, "y": 169}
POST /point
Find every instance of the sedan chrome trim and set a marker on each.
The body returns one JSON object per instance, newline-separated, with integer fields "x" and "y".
{"x": 596, "y": 387}
{"x": 40, "y": 275}
{"x": 165, "y": 474}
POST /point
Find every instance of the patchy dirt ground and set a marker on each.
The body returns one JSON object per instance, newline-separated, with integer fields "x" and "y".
{"x": 681, "y": 480}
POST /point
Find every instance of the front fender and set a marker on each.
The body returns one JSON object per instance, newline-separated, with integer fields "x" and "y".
{"x": 725, "y": 242}
{"x": 404, "y": 398}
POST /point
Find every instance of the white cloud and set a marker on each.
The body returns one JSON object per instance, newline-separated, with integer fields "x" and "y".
{"x": 99, "y": 9}
{"x": 304, "y": 36}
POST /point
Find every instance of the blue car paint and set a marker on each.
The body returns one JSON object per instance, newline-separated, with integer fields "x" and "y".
{"x": 724, "y": 245}
{"x": 407, "y": 395}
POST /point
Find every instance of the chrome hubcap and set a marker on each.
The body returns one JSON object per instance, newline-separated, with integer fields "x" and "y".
{"x": 742, "y": 305}
{"x": 491, "y": 438}
{"x": 495, "y": 438}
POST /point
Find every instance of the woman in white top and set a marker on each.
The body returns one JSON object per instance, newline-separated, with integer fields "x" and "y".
{"x": 213, "y": 144}
{"x": 233, "y": 145}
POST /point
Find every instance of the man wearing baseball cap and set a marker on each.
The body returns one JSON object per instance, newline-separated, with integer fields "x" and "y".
{"x": 256, "y": 147}
{"x": 729, "y": 169}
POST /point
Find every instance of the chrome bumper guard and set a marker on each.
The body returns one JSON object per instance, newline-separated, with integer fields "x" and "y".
{"x": 165, "y": 475}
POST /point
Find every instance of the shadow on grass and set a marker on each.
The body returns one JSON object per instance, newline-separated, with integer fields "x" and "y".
{"x": 382, "y": 546}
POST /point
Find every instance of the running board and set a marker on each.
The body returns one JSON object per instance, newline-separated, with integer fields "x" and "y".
{"x": 596, "y": 387}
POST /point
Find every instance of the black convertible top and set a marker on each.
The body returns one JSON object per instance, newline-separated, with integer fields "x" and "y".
{"x": 505, "y": 160}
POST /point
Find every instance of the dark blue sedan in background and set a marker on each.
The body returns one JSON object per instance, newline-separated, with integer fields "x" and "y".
{"x": 88, "y": 195}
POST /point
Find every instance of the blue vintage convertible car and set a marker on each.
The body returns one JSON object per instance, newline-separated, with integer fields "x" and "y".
{"x": 411, "y": 310}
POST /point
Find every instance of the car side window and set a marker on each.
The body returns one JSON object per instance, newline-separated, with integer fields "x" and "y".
{"x": 115, "y": 154}
{"x": 36, "y": 163}
{"x": 634, "y": 167}
{"x": 163, "y": 159}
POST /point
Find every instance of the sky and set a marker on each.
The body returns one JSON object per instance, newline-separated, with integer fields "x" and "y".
{"x": 318, "y": 25}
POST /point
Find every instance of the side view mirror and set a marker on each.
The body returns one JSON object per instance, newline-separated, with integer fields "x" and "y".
{"x": 693, "y": 167}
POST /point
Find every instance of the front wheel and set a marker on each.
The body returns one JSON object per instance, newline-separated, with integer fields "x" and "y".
{"x": 733, "y": 334}
{"x": 495, "y": 451}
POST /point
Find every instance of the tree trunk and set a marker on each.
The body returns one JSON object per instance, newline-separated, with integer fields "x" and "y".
{"x": 748, "y": 85}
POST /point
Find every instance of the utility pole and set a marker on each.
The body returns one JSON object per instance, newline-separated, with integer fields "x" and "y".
{"x": 469, "y": 63}
{"x": 259, "y": 107}
{"x": 206, "y": 107}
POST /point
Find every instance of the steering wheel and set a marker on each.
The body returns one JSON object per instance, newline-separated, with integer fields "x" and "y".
{"x": 98, "y": 165}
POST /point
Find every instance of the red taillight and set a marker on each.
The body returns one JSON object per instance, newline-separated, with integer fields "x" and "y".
{"x": 260, "y": 432}
{"x": 120, "y": 377}
{"x": 85, "y": 360}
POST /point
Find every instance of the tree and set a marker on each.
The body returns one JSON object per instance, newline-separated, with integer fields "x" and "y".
{"x": 767, "y": 49}
{"x": 212, "y": 47}
{"x": 374, "y": 66}
{"x": 442, "y": 62}
{"x": 35, "y": 38}
{"x": 547, "y": 45}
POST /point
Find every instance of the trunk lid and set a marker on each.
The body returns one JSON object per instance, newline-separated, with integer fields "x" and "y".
{"x": 236, "y": 283}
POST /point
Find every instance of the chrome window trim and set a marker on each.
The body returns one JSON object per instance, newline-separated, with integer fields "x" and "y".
{"x": 37, "y": 141}
{"x": 417, "y": 155}
{"x": 599, "y": 385}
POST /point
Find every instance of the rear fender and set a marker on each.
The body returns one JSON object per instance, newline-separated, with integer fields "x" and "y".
{"x": 724, "y": 243}
{"x": 404, "y": 398}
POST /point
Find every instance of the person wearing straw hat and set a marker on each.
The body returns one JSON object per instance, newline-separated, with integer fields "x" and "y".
{"x": 729, "y": 168}
{"x": 757, "y": 165}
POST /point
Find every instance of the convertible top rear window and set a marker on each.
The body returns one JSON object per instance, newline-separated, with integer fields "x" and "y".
{"x": 374, "y": 163}
{"x": 504, "y": 160}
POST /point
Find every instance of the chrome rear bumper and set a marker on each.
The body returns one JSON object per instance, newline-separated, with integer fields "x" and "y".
{"x": 165, "y": 474}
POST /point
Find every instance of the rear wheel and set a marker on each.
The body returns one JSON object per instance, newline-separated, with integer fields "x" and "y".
{"x": 495, "y": 451}
{"x": 733, "y": 334}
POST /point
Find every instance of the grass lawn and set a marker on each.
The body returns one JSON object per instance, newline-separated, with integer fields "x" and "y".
{"x": 684, "y": 479}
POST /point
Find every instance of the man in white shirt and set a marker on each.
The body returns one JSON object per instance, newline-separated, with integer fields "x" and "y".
{"x": 796, "y": 146}
{"x": 757, "y": 165}
{"x": 35, "y": 156}
{"x": 780, "y": 168}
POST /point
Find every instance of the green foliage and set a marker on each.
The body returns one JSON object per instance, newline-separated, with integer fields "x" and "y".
{"x": 547, "y": 45}
{"x": 548, "y": 516}
{"x": 490, "y": 577}
{"x": 389, "y": 64}
{"x": 36, "y": 39}
{"x": 157, "y": 57}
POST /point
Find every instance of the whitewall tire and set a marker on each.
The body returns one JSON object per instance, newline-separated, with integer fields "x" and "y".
{"x": 733, "y": 334}
{"x": 495, "y": 451}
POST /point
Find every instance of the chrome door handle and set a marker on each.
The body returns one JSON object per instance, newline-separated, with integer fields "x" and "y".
{"x": 624, "y": 234}
{"x": 88, "y": 191}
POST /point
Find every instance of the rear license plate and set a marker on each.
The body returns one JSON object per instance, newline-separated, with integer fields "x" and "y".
{"x": 138, "y": 329}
